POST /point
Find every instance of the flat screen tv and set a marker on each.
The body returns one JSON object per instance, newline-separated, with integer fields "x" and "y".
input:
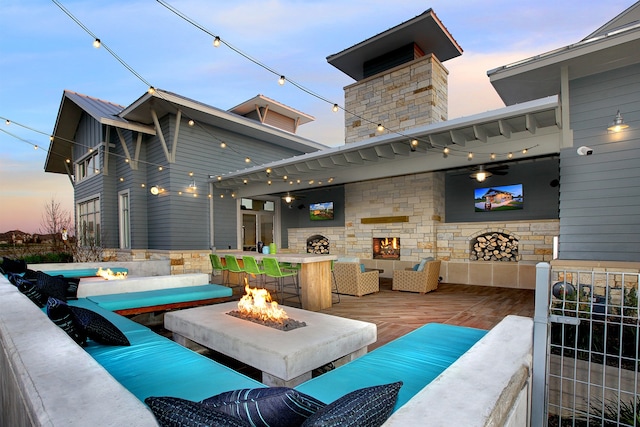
{"x": 321, "y": 211}
{"x": 499, "y": 198}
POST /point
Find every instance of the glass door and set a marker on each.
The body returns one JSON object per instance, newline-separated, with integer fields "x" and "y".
{"x": 257, "y": 225}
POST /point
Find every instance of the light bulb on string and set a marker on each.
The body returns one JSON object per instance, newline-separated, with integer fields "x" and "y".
{"x": 380, "y": 128}
{"x": 335, "y": 108}
{"x": 216, "y": 41}
{"x": 281, "y": 80}
{"x": 97, "y": 43}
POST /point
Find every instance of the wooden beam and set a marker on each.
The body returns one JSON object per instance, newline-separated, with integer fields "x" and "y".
{"x": 384, "y": 219}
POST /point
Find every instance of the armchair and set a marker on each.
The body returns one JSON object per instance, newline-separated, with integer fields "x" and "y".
{"x": 417, "y": 281}
{"x": 350, "y": 280}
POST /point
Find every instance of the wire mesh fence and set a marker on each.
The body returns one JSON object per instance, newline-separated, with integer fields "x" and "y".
{"x": 593, "y": 349}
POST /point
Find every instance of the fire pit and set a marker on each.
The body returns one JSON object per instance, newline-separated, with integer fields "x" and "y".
{"x": 256, "y": 306}
{"x": 110, "y": 275}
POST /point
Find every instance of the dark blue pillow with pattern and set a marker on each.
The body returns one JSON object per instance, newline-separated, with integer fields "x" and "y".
{"x": 52, "y": 286}
{"x": 13, "y": 265}
{"x": 366, "y": 407}
{"x": 32, "y": 292}
{"x": 266, "y": 407}
{"x": 60, "y": 314}
{"x": 98, "y": 328}
{"x": 176, "y": 412}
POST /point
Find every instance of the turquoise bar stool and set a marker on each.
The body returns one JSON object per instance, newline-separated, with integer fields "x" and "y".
{"x": 272, "y": 269}
{"x": 217, "y": 265}
{"x": 252, "y": 268}
{"x": 234, "y": 267}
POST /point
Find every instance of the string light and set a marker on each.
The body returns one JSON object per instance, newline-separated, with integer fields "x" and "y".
{"x": 281, "y": 80}
{"x": 493, "y": 156}
{"x": 216, "y": 41}
{"x": 335, "y": 108}
{"x": 191, "y": 123}
{"x": 380, "y": 127}
{"x": 223, "y": 144}
{"x": 414, "y": 144}
{"x": 510, "y": 156}
{"x": 97, "y": 43}
{"x": 470, "y": 155}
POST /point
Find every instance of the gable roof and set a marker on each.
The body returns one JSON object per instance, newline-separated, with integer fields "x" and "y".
{"x": 612, "y": 46}
{"x": 72, "y": 106}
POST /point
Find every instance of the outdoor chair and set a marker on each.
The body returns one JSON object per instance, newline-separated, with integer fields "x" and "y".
{"x": 272, "y": 269}
{"x": 217, "y": 265}
{"x": 422, "y": 281}
{"x": 234, "y": 267}
{"x": 351, "y": 280}
{"x": 252, "y": 268}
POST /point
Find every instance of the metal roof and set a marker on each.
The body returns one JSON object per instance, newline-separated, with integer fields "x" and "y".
{"x": 165, "y": 102}
{"x": 425, "y": 30}
{"x": 72, "y": 106}
{"x": 534, "y": 125}
{"x": 539, "y": 76}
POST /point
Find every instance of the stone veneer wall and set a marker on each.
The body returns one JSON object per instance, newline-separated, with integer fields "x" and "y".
{"x": 419, "y": 197}
{"x": 409, "y": 95}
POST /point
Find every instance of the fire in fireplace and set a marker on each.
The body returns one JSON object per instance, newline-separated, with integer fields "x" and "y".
{"x": 386, "y": 248}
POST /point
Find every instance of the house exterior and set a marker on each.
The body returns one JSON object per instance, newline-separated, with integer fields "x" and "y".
{"x": 140, "y": 173}
{"x": 412, "y": 179}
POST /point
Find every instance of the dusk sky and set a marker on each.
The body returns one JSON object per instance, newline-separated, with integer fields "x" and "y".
{"x": 43, "y": 52}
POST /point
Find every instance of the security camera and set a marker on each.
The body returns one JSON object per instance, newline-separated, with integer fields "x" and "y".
{"x": 585, "y": 151}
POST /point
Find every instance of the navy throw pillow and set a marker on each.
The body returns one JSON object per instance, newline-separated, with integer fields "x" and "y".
{"x": 60, "y": 314}
{"x": 176, "y": 412}
{"x": 97, "y": 327}
{"x": 52, "y": 286}
{"x": 266, "y": 407}
{"x": 32, "y": 292}
{"x": 13, "y": 265}
{"x": 366, "y": 407}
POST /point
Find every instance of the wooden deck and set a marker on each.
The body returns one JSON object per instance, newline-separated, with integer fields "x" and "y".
{"x": 396, "y": 313}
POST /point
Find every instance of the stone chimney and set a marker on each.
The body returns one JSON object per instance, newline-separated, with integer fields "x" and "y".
{"x": 400, "y": 80}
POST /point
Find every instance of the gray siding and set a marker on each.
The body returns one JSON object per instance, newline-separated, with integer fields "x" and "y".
{"x": 600, "y": 195}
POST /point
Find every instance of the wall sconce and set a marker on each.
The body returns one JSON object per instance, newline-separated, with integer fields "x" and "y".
{"x": 618, "y": 123}
{"x": 154, "y": 190}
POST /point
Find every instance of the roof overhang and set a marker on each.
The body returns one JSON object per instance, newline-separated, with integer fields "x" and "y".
{"x": 534, "y": 125}
{"x": 539, "y": 76}
{"x": 425, "y": 30}
{"x": 164, "y": 102}
{"x": 72, "y": 107}
{"x": 272, "y": 105}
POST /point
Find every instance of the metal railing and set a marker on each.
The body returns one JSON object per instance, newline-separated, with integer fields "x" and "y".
{"x": 586, "y": 348}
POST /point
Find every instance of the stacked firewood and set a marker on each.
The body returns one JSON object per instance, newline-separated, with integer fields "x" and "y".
{"x": 494, "y": 247}
{"x": 318, "y": 246}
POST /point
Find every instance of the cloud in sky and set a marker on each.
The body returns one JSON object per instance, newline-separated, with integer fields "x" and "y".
{"x": 43, "y": 52}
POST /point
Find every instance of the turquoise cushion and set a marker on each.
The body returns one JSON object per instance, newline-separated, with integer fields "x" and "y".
{"x": 84, "y": 272}
{"x": 156, "y": 366}
{"x": 415, "y": 359}
{"x": 362, "y": 270}
{"x": 155, "y": 297}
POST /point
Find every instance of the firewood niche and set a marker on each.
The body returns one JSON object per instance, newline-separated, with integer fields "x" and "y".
{"x": 494, "y": 246}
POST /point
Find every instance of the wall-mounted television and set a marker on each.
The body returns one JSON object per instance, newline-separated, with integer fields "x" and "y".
{"x": 499, "y": 198}
{"x": 321, "y": 211}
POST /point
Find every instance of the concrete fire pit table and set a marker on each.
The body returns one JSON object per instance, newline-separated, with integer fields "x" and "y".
{"x": 286, "y": 358}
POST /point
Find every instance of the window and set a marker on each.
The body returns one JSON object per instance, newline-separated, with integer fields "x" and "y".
{"x": 88, "y": 166}
{"x": 89, "y": 222}
{"x": 125, "y": 220}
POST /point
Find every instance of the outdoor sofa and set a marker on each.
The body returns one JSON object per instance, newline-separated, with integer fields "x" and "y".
{"x": 48, "y": 379}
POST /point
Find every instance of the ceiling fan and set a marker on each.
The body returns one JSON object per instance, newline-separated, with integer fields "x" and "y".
{"x": 482, "y": 172}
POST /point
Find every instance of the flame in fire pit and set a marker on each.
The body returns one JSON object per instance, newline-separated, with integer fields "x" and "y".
{"x": 257, "y": 303}
{"x": 110, "y": 275}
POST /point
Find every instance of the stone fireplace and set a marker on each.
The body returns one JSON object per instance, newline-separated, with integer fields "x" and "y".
{"x": 317, "y": 244}
{"x": 386, "y": 248}
{"x": 494, "y": 246}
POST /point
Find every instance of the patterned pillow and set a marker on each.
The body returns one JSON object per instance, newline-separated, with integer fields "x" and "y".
{"x": 13, "y": 278}
{"x": 60, "y": 314}
{"x": 97, "y": 327}
{"x": 32, "y": 292}
{"x": 51, "y": 286}
{"x": 13, "y": 266}
{"x": 71, "y": 291}
{"x": 266, "y": 407}
{"x": 367, "y": 407}
{"x": 176, "y": 412}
